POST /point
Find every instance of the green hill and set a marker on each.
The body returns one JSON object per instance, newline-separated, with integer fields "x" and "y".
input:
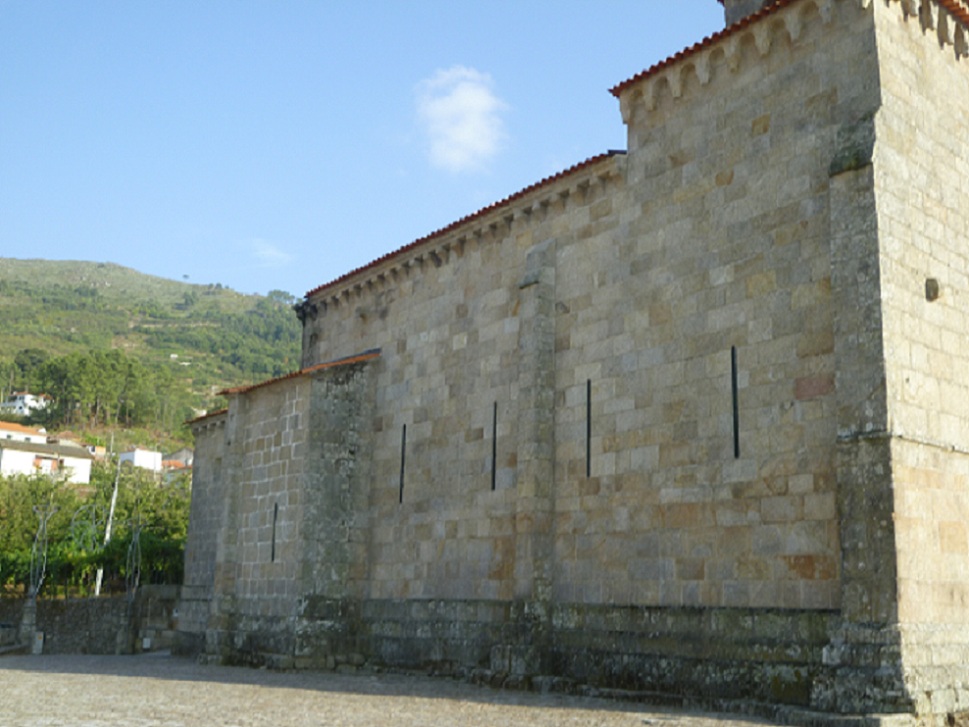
{"x": 192, "y": 339}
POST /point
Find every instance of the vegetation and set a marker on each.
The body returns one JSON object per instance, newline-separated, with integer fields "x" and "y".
{"x": 126, "y": 359}
{"x": 149, "y": 527}
{"x": 116, "y": 348}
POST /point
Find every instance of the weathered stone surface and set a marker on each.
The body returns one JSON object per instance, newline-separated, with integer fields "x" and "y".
{"x": 689, "y": 419}
{"x": 108, "y": 625}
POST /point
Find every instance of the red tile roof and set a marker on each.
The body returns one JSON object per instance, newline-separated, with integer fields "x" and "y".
{"x": 359, "y": 358}
{"x": 12, "y": 427}
{"x": 954, "y": 8}
{"x": 469, "y": 218}
{"x": 697, "y": 47}
{"x": 957, "y": 10}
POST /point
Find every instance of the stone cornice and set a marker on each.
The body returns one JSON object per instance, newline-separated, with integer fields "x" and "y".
{"x": 761, "y": 29}
{"x": 577, "y": 184}
{"x": 948, "y": 18}
{"x": 775, "y": 25}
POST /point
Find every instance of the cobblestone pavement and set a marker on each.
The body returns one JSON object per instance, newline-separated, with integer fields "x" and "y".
{"x": 164, "y": 691}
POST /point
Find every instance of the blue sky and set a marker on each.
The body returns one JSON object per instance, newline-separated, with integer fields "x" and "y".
{"x": 277, "y": 145}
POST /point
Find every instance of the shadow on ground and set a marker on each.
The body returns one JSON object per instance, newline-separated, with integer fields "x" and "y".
{"x": 163, "y": 666}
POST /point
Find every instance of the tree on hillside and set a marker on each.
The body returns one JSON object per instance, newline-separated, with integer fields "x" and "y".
{"x": 281, "y": 297}
{"x": 8, "y": 372}
{"x": 261, "y": 343}
{"x": 220, "y": 338}
{"x": 110, "y": 388}
{"x": 29, "y": 362}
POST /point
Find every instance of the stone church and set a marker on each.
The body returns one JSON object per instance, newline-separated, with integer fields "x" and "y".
{"x": 689, "y": 419}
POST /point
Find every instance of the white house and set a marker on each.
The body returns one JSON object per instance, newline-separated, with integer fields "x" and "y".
{"x": 143, "y": 458}
{"x": 30, "y": 451}
{"x": 19, "y": 433}
{"x": 21, "y": 403}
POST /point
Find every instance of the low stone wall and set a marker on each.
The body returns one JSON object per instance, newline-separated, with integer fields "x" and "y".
{"x": 442, "y": 635}
{"x": 107, "y": 625}
{"x": 760, "y": 655}
{"x": 8, "y": 634}
{"x": 11, "y": 610}
{"x": 769, "y": 656}
{"x": 83, "y": 626}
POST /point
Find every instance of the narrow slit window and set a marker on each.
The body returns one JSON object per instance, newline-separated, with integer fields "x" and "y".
{"x": 403, "y": 459}
{"x": 735, "y": 402}
{"x": 588, "y": 428}
{"x": 494, "y": 448}
{"x": 272, "y": 551}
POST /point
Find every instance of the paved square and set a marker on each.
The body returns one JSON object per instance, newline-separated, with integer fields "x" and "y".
{"x": 164, "y": 691}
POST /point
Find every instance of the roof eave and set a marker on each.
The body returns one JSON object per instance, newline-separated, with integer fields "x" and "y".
{"x": 346, "y": 361}
{"x": 464, "y": 221}
{"x": 707, "y": 42}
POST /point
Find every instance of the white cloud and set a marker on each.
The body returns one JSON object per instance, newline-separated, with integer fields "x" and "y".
{"x": 268, "y": 255}
{"x": 462, "y": 118}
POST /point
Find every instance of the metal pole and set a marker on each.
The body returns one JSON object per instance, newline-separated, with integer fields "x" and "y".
{"x": 107, "y": 528}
